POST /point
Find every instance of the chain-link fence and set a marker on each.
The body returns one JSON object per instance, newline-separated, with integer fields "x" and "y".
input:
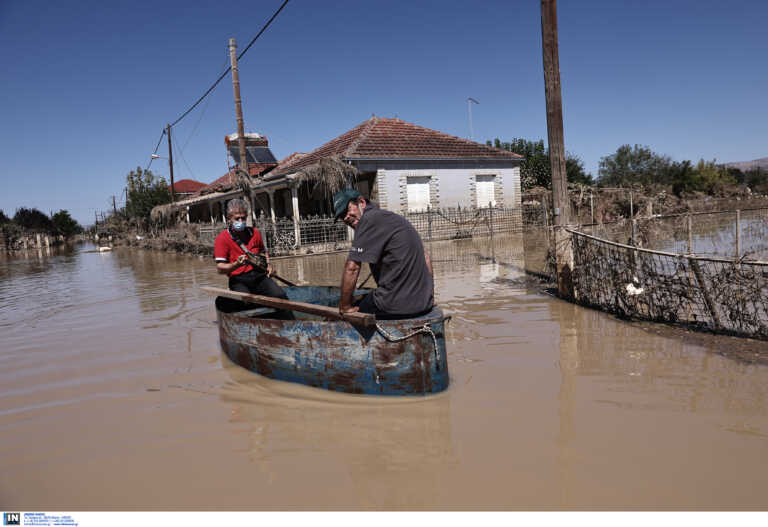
{"x": 589, "y": 206}
{"x": 318, "y": 234}
{"x": 726, "y": 234}
{"x": 457, "y": 223}
{"x": 723, "y": 295}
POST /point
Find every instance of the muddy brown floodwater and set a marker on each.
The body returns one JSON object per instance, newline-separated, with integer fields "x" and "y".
{"x": 114, "y": 394}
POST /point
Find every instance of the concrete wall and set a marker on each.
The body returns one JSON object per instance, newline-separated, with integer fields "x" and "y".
{"x": 451, "y": 183}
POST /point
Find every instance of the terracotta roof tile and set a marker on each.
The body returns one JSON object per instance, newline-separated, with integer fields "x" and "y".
{"x": 186, "y": 186}
{"x": 228, "y": 180}
{"x": 384, "y": 138}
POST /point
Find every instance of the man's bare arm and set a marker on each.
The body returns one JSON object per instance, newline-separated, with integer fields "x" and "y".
{"x": 429, "y": 263}
{"x": 348, "y": 284}
{"x": 226, "y": 268}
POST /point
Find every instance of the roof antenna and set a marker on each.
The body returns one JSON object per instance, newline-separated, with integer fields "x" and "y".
{"x": 470, "y": 100}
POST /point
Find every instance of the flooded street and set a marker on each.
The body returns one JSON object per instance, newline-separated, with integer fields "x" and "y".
{"x": 115, "y": 395}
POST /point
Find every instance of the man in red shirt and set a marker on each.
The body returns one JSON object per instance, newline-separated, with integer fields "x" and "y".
{"x": 232, "y": 261}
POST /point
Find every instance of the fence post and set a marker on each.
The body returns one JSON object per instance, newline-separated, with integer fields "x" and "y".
{"x": 708, "y": 300}
{"x": 738, "y": 233}
{"x": 690, "y": 236}
{"x": 490, "y": 215}
{"x": 591, "y": 208}
{"x": 429, "y": 221}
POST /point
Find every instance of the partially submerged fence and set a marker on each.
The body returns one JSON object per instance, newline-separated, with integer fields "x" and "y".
{"x": 723, "y": 295}
{"x": 457, "y": 223}
{"x": 319, "y": 234}
{"x": 589, "y": 206}
{"x": 733, "y": 233}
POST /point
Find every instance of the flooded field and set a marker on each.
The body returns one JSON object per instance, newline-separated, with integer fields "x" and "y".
{"x": 114, "y": 395}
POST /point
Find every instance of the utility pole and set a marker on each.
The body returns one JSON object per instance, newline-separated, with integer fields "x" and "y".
{"x": 170, "y": 160}
{"x": 563, "y": 246}
{"x": 114, "y": 207}
{"x": 238, "y": 107}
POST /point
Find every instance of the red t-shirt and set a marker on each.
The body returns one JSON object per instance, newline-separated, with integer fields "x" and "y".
{"x": 225, "y": 249}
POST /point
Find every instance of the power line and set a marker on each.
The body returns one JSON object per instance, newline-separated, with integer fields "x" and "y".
{"x": 262, "y": 30}
{"x": 229, "y": 68}
{"x": 178, "y": 151}
{"x": 209, "y": 90}
{"x": 199, "y": 119}
{"x": 155, "y": 150}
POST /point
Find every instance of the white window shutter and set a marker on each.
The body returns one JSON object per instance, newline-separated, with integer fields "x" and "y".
{"x": 485, "y": 187}
{"x": 418, "y": 193}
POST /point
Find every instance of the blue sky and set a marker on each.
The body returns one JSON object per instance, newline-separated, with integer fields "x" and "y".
{"x": 88, "y": 86}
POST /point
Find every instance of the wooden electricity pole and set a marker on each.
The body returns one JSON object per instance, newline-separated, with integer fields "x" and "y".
{"x": 170, "y": 160}
{"x": 238, "y": 107}
{"x": 563, "y": 247}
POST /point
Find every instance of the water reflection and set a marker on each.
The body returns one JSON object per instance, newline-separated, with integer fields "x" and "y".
{"x": 372, "y": 441}
{"x": 35, "y": 283}
{"x": 165, "y": 283}
{"x": 693, "y": 379}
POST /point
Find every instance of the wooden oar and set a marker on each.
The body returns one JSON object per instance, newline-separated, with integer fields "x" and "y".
{"x": 360, "y": 319}
{"x": 255, "y": 261}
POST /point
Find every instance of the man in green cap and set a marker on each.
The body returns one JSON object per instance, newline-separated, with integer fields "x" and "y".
{"x": 393, "y": 249}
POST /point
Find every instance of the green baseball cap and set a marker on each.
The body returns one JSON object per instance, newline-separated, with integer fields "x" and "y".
{"x": 341, "y": 201}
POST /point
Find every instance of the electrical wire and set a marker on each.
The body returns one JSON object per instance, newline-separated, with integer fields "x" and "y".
{"x": 200, "y": 119}
{"x": 181, "y": 155}
{"x": 209, "y": 90}
{"x": 221, "y": 77}
{"x": 155, "y": 150}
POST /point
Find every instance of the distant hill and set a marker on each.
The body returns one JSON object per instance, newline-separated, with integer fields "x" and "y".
{"x": 750, "y": 165}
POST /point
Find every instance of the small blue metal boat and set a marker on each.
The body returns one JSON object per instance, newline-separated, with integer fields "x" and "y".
{"x": 395, "y": 357}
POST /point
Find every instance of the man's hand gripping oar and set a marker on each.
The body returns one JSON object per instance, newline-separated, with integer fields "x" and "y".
{"x": 259, "y": 262}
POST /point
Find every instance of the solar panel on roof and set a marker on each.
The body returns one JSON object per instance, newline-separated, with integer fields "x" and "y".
{"x": 256, "y": 154}
{"x": 260, "y": 154}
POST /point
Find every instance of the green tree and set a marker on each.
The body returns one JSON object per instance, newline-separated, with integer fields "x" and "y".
{"x": 32, "y": 219}
{"x": 65, "y": 224}
{"x": 706, "y": 176}
{"x": 144, "y": 191}
{"x": 683, "y": 177}
{"x": 574, "y": 171}
{"x": 634, "y": 165}
{"x": 535, "y": 170}
{"x": 4, "y": 218}
{"x": 756, "y": 179}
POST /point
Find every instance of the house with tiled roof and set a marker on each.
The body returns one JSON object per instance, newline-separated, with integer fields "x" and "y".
{"x": 402, "y": 166}
{"x": 185, "y": 188}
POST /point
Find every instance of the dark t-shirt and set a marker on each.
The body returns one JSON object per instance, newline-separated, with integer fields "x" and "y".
{"x": 393, "y": 248}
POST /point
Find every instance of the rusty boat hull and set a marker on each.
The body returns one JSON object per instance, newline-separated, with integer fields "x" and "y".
{"x": 397, "y": 357}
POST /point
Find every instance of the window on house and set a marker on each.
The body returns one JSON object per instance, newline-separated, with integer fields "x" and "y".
{"x": 485, "y": 190}
{"x": 418, "y": 193}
